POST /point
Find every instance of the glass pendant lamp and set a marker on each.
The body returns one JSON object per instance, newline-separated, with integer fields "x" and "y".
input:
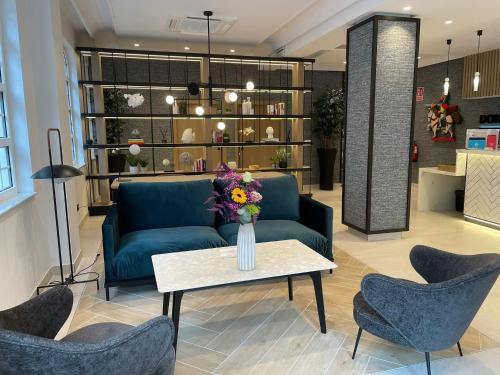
{"x": 476, "y": 74}
{"x": 446, "y": 86}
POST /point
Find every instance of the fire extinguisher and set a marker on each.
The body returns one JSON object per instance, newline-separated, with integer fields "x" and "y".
{"x": 414, "y": 152}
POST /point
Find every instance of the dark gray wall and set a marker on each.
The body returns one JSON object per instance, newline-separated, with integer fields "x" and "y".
{"x": 431, "y": 78}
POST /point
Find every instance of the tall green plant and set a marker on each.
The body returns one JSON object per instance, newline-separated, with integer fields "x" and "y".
{"x": 114, "y": 102}
{"x": 328, "y": 116}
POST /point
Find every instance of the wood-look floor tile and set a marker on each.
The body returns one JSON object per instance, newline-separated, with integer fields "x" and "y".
{"x": 242, "y": 360}
{"x": 343, "y": 363}
{"x": 246, "y": 324}
{"x": 318, "y": 354}
{"x": 185, "y": 369}
{"x": 198, "y": 356}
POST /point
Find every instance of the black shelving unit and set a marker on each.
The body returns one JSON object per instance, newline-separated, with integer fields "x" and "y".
{"x": 154, "y": 74}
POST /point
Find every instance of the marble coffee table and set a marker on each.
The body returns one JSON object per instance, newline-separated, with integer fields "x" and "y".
{"x": 188, "y": 271}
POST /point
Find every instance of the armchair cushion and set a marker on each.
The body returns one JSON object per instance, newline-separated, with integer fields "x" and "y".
{"x": 276, "y": 230}
{"x": 95, "y": 333}
{"x": 368, "y": 319}
{"x": 133, "y": 259}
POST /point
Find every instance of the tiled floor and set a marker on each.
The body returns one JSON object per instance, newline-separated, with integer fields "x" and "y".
{"x": 254, "y": 329}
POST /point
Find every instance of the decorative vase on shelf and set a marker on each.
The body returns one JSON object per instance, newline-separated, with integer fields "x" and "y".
{"x": 134, "y": 170}
{"x": 246, "y": 247}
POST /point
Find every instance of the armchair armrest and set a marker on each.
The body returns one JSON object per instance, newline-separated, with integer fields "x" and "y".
{"x": 42, "y": 316}
{"x": 319, "y": 217}
{"x": 141, "y": 350}
{"x": 110, "y": 240}
{"x": 429, "y": 316}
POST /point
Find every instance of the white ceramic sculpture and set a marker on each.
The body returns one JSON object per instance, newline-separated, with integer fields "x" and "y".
{"x": 165, "y": 163}
{"x": 270, "y": 132}
{"x": 188, "y": 136}
{"x": 134, "y": 100}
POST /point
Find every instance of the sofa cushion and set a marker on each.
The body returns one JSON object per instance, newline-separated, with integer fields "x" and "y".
{"x": 276, "y": 230}
{"x": 280, "y": 197}
{"x": 98, "y": 332}
{"x": 164, "y": 205}
{"x": 133, "y": 259}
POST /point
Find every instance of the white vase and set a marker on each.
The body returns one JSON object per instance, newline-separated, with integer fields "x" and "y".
{"x": 134, "y": 170}
{"x": 246, "y": 247}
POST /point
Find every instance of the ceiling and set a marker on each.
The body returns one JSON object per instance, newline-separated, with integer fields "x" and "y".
{"x": 315, "y": 28}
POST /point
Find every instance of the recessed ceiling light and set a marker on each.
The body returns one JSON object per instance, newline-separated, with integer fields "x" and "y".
{"x": 419, "y": 57}
{"x": 407, "y": 8}
{"x": 137, "y": 45}
{"x": 186, "y": 48}
{"x": 232, "y": 50}
{"x": 449, "y": 22}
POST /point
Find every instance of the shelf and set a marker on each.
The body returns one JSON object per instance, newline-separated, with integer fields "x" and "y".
{"x": 187, "y": 173}
{"x": 215, "y": 57}
{"x": 193, "y": 116}
{"x": 178, "y": 87}
{"x": 190, "y": 145}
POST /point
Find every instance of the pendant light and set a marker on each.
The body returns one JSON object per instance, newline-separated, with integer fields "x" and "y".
{"x": 199, "y": 110}
{"x": 250, "y": 85}
{"x": 476, "y": 74}
{"x": 169, "y": 99}
{"x": 230, "y": 96}
{"x": 446, "y": 86}
{"x": 221, "y": 125}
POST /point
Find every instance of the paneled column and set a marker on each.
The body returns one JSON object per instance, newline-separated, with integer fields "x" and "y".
{"x": 382, "y": 56}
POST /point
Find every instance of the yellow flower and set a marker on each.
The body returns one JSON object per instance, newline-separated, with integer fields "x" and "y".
{"x": 238, "y": 196}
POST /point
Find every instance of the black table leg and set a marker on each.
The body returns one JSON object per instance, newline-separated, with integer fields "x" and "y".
{"x": 290, "y": 288}
{"x": 166, "y": 301}
{"x": 318, "y": 291}
{"x": 176, "y": 309}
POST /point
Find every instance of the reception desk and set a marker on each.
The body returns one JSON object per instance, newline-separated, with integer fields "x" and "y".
{"x": 482, "y": 186}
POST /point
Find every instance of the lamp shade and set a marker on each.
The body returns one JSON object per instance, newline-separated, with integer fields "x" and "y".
{"x": 62, "y": 173}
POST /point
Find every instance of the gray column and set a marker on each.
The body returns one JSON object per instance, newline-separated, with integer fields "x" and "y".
{"x": 382, "y": 56}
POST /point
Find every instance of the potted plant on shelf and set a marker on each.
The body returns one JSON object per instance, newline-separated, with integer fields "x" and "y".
{"x": 143, "y": 164}
{"x": 115, "y": 102}
{"x": 328, "y": 117}
{"x": 133, "y": 162}
{"x": 280, "y": 158}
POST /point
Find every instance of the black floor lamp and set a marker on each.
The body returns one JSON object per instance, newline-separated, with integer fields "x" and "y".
{"x": 60, "y": 173}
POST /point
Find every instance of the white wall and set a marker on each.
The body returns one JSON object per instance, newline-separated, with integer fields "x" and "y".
{"x": 35, "y": 77}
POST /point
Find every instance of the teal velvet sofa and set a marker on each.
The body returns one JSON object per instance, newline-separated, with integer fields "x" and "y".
{"x": 163, "y": 217}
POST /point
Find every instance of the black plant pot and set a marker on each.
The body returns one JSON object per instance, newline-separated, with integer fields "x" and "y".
{"x": 326, "y": 158}
{"x": 116, "y": 163}
{"x": 282, "y": 164}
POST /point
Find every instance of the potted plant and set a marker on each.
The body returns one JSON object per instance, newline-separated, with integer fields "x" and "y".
{"x": 115, "y": 102}
{"x": 143, "y": 164}
{"x": 133, "y": 162}
{"x": 280, "y": 158}
{"x": 328, "y": 117}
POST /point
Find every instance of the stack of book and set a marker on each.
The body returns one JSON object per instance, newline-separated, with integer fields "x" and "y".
{"x": 136, "y": 141}
{"x": 199, "y": 165}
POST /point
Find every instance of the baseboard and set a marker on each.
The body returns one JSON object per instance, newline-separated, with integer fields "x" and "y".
{"x": 53, "y": 272}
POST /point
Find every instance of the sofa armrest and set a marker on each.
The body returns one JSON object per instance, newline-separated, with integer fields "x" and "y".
{"x": 41, "y": 316}
{"x": 110, "y": 240}
{"x": 141, "y": 350}
{"x": 318, "y": 217}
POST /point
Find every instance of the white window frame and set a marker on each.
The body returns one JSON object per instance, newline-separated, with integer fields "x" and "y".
{"x": 6, "y": 142}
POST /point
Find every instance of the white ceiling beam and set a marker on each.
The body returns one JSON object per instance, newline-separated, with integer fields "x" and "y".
{"x": 346, "y": 16}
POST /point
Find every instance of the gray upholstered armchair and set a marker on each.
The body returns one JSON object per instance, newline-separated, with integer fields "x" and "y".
{"x": 27, "y": 344}
{"x": 427, "y": 317}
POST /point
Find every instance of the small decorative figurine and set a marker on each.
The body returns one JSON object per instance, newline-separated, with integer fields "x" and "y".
{"x": 188, "y": 136}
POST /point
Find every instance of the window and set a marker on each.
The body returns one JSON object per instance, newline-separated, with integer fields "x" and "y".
{"x": 6, "y": 173}
{"x": 69, "y": 106}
